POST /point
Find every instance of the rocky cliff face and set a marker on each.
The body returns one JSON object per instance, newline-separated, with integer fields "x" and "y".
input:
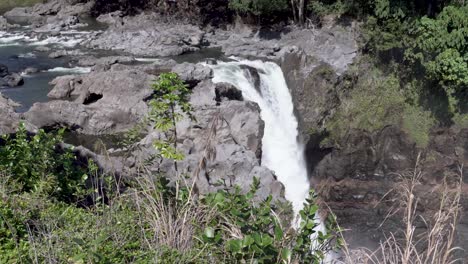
{"x": 361, "y": 180}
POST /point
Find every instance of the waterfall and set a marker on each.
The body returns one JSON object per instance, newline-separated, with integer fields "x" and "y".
{"x": 282, "y": 153}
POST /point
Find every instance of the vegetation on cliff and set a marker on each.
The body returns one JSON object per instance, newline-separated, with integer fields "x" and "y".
{"x": 56, "y": 207}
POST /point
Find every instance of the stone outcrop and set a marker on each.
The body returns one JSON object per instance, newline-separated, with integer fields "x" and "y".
{"x": 53, "y": 15}
{"x": 4, "y": 25}
{"x": 336, "y": 45}
{"x": 222, "y": 144}
{"x": 314, "y": 88}
{"x": 146, "y": 35}
{"x": 9, "y": 79}
{"x": 96, "y": 103}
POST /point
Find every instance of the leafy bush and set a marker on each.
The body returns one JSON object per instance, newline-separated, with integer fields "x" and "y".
{"x": 259, "y": 7}
{"x": 375, "y": 101}
{"x": 441, "y": 47}
{"x": 37, "y": 164}
{"x": 260, "y": 233}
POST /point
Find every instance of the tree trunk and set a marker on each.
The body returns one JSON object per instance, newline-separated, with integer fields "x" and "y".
{"x": 293, "y": 7}
{"x": 301, "y": 12}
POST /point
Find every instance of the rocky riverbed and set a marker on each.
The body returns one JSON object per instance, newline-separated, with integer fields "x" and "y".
{"x": 96, "y": 80}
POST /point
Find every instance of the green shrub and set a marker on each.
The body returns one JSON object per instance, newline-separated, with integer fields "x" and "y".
{"x": 249, "y": 231}
{"x": 259, "y": 7}
{"x": 37, "y": 164}
{"x": 417, "y": 124}
{"x": 376, "y": 101}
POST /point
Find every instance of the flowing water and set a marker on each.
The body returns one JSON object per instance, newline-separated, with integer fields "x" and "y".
{"x": 282, "y": 152}
{"x": 18, "y": 52}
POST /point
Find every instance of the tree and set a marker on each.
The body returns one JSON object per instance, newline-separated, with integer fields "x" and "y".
{"x": 299, "y": 11}
{"x": 170, "y": 103}
{"x": 441, "y": 46}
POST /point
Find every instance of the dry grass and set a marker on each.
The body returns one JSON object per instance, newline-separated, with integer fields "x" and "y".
{"x": 433, "y": 246}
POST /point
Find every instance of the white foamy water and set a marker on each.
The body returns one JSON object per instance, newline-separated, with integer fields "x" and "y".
{"x": 282, "y": 153}
{"x": 148, "y": 59}
{"x": 71, "y": 70}
{"x": 68, "y": 42}
{"x": 281, "y": 150}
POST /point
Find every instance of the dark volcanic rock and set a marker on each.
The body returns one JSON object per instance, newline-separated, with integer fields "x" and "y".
{"x": 314, "y": 89}
{"x": 3, "y": 71}
{"x": 361, "y": 179}
{"x": 226, "y": 91}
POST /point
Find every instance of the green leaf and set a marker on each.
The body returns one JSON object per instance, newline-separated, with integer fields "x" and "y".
{"x": 286, "y": 255}
{"x": 235, "y": 245}
{"x": 278, "y": 233}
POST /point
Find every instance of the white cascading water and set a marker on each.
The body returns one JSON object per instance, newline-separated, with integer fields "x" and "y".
{"x": 282, "y": 153}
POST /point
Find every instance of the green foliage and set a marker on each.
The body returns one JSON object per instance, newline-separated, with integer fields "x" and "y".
{"x": 171, "y": 102}
{"x": 259, "y": 7}
{"x": 255, "y": 231}
{"x": 378, "y": 100}
{"x": 321, "y": 9}
{"x": 461, "y": 120}
{"x": 375, "y": 102}
{"x": 37, "y": 164}
{"x": 131, "y": 227}
{"x": 441, "y": 46}
{"x": 417, "y": 123}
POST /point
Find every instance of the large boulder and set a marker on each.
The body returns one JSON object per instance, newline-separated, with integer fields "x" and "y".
{"x": 193, "y": 73}
{"x": 96, "y": 103}
{"x": 4, "y": 25}
{"x": 9, "y": 79}
{"x": 13, "y": 80}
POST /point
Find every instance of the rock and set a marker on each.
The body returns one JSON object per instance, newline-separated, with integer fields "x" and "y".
{"x": 146, "y": 35}
{"x": 368, "y": 166}
{"x": 42, "y": 49}
{"x": 236, "y": 131}
{"x": 54, "y": 10}
{"x": 9, "y": 120}
{"x": 193, "y": 73}
{"x": 59, "y": 23}
{"x": 3, "y": 70}
{"x": 226, "y": 91}
{"x": 4, "y": 25}
{"x": 96, "y": 103}
{"x": 336, "y": 46}
{"x": 30, "y": 70}
{"x": 62, "y": 53}
{"x": 93, "y": 61}
{"x": 111, "y": 18}
{"x": 14, "y": 80}
{"x": 314, "y": 88}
